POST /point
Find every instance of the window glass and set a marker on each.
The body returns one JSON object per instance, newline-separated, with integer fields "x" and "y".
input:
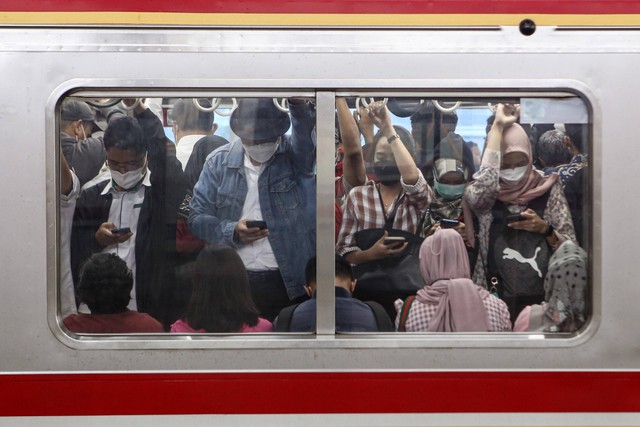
{"x": 464, "y": 215}
{"x": 185, "y": 215}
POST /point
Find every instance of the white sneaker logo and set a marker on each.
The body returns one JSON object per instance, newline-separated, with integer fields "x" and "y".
{"x": 513, "y": 254}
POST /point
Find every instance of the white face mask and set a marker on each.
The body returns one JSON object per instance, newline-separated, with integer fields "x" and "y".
{"x": 262, "y": 152}
{"x": 513, "y": 176}
{"x": 129, "y": 179}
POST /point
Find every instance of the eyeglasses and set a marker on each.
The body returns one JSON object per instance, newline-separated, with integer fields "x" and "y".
{"x": 127, "y": 166}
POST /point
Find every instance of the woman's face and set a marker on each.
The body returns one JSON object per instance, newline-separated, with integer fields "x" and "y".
{"x": 383, "y": 152}
{"x": 452, "y": 178}
{"x": 514, "y": 160}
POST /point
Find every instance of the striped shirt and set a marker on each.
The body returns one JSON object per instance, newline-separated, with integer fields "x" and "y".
{"x": 363, "y": 211}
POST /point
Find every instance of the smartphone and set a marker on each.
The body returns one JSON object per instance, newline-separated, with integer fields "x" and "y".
{"x": 122, "y": 230}
{"x": 257, "y": 224}
{"x": 449, "y": 223}
{"x": 516, "y": 217}
{"x": 394, "y": 240}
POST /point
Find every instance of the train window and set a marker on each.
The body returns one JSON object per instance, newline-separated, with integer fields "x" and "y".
{"x": 453, "y": 213}
{"x": 465, "y": 215}
{"x": 186, "y": 215}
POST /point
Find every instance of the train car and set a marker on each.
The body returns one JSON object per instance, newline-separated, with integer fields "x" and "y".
{"x": 563, "y": 62}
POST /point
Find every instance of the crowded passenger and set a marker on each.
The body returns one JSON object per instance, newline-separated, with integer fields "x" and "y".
{"x": 84, "y": 153}
{"x": 69, "y": 191}
{"x": 449, "y": 300}
{"x": 564, "y": 308}
{"x": 523, "y": 215}
{"x": 352, "y": 315}
{"x": 133, "y": 212}
{"x": 105, "y": 287}
{"x": 221, "y": 301}
{"x": 574, "y": 175}
{"x": 352, "y": 170}
{"x": 452, "y": 169}
{"x": 552, "y": 151}
{"x": 258, "y": 194}
{"x": 194, "y": 131}
{"x": 393, "y": 207}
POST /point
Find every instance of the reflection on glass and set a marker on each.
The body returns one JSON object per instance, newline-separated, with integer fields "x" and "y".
{"x": 157, "y": 204}
{"x": 516, "y": 201}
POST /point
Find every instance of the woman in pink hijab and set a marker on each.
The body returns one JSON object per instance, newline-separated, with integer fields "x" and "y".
{"x": 450, "y": 301}
{"x": 523, "y": 215}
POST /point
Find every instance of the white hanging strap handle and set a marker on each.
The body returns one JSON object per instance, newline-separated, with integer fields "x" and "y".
{"x": 365, "y": 104}
{"x": 132, "y": 107}
{"x": 284, "y": 107}
{"x": 492, "y": 108}
{"x": 215, "y": 102}
{"x": 444, "y": 109}
{"x": 227, "y": 113}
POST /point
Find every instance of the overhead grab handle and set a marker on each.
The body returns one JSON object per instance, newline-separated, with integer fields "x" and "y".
{"x": 445, "y": 109}
{"x": 215, "y": 102}
{"x": 284, "y": 106}
{"x": 227, "y": 113}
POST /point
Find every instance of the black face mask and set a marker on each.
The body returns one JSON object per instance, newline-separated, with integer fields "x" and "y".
{"x": 387, "y": 172}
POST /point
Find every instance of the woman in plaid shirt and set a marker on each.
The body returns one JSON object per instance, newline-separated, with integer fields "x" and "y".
{"x": 400, "y": 183}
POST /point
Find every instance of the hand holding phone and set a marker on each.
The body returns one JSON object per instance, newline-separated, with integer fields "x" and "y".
{"x": 394, "y": 240}
{"x": 122, "y": 230}
{"x": 516, "y": 217}
{"x": 262, "y": 225}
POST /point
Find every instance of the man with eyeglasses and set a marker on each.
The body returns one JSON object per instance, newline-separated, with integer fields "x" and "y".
{"x": 133, "y": 212}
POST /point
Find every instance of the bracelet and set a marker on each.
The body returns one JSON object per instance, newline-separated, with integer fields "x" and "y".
{"x": 392, "y": 138}
{"x": 549, "y": 231}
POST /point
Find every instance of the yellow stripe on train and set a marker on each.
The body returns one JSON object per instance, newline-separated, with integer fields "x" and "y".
{"x": 309, "y": 20}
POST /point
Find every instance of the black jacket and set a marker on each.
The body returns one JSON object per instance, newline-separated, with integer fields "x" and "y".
{"x": 155, "y": 247}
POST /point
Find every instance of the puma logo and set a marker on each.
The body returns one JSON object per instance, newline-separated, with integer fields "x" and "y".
{"x": 513, "y": 254}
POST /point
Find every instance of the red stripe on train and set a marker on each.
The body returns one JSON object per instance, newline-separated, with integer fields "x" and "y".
{"x": 569, "y": 7}
{"x": 305, "y": 393}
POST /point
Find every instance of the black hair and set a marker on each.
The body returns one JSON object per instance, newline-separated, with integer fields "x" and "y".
{"x": 105, "y": 284}
{"x": 578, "y": 133}
{"x": 126, "y": 134}
{"x": 190, "y": 118}
{"x": 405, "y": 137}
{"x": 343, "y": 269}
{"x": 467, "y": 156}
{"x": 221, "y": 299}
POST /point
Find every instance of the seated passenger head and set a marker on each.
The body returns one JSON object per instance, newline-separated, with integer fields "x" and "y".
{"x": 77, "y": 119}
{"x": 105, "y": 284}
{"x": 221, "y": 298}
{"x": 260, "y": 126}
{"x": 191, "y": 120}
{"x": 384, "y": 162}
{"x": 343, "y": 275}
{"x": 516, "y": 155}
{"x": 452, "y": 167}
{"x": 443, "y": 255}
{"x": 126, "y": 148}
{"x": 552, "y": 150}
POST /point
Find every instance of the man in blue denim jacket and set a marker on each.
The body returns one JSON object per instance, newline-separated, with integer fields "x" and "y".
{"x": 267, "y": 177}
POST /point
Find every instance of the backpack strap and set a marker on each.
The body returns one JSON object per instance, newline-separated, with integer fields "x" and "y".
{"x": 382, "y": 318}
{"x": 406, "y": 306}
{"x": 284, "y": 318}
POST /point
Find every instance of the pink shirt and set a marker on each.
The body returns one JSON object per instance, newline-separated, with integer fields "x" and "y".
{"x": 263, "y": 325}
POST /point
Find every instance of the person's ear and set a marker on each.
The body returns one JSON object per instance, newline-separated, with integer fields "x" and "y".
{"x": 308, "y": 290}
{"x": 214, "y": 128}
{"x": 352, "y": 285}
{"x": 566, "y": 141}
